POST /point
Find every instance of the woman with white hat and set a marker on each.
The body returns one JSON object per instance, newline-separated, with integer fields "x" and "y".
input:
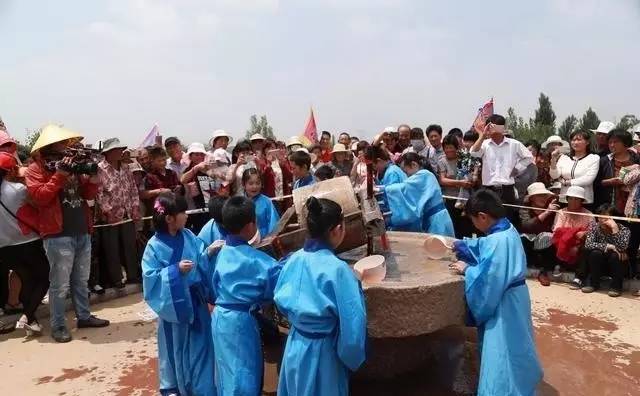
{"x": 569, "y": 228}
{"x": 200, "y": 185}
{"x": 342, "y": 160}
{"x": 579, "y": 168}
{"x": 537, "y": 230}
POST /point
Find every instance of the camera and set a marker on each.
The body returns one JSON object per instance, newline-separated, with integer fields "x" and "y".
{"x": 84, "y": 161}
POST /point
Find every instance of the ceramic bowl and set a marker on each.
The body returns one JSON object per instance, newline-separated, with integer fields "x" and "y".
{"x": 437, "y": 247}
{"x": 371, "y": 269}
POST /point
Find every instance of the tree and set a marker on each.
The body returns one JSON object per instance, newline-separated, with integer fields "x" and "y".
{"x": 589, "y": 120}
{"x": 627, "y": 122}
{"x": 545, "y": 114}
{"x": 2, "y": 126}
{"x": 515, "y": 124}
{"x": 567, "y": 126}
{"x": 262, "y": 127}
{"x": 32, "y": 137}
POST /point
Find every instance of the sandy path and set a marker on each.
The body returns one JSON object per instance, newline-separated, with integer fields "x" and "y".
{"x": 589, "y": 345}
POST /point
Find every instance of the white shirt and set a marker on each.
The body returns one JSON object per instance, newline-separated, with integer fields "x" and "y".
{"x": 13, "y": 196}
{"x": 500, "y": 160}
{"x": 578, "y": 172}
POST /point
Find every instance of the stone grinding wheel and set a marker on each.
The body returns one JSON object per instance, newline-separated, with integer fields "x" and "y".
{"x": 338, "y": 190}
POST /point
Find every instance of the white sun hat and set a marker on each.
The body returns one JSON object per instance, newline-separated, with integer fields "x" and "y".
{"x": 294, "y": 141}
{"x": 537, "y": 189}
{"x": 196, "y": 148}
{"x": 554, "y": 139}
{"x": 220, "y": 133}
{"x": 339, "y": 148}
{"x": 575, "y": 192}
{"x": 604, "y": 127}
{"x": 257, "y": 136}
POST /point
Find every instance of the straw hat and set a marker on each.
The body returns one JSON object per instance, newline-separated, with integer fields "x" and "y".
{"x": 54, "y": 134}
{"x": 256, "y": 136}
{"x": 112, "y": 144}
{"x": 219, "y": 133}
{"x": 294, "y": 141}
{"x": 554, "y": 139}
{"x": 575, "y": 192}
{"x": 312, "y": 155}
{"x": 339, "y": 148}
{"x": 389, "y": 130}
{"x": 196, "y": 148}
{"x": 604, "y": 127}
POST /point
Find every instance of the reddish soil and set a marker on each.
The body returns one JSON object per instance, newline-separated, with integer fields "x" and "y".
{"x": 141, "y": 377}
{"x": 67, "y": 374}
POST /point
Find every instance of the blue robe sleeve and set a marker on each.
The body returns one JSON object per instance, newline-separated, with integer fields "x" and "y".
{"x": 403, "y": 200}
{"x": 272, "y": 217}
{"x": 352, "y": 318}
{"x": 206, "y": 233}
{"x": 273, "y": 274}
{"x": 164, "y": 288}
{"x": 486, "y": 282}
{"x": 393, "y": 175}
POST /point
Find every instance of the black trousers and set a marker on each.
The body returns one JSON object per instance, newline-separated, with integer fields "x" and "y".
{"x": 632, "y": 250}
{"x": 119, "y": 249}
{"x": 4, "y": 284}
{"x": 598, "y": 263}
{"x": 508, "y": 196}
{"x": 544, "y": 259}
{"x": 462, "y": 225}
{"x": 29, "y": 261}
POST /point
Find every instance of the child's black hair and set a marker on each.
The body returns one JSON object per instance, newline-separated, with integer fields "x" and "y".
{"x": 323, "y": 216}
{"x": 607, "y": 209}
{"x": 485, "y": 201}
{"x": 215, "y": 208}
{"x": 622, "y": 135}
{"x": 301, "y": 158}
{"x": 237, "y": 212}
{"x": 325, "y": 172}
{"x": 362, "y": 145}
{"x": 408, "y": 158}
{"x": 242, "y": 146}
{"x": 457, "y": 132}
{"x": 246, "y": 175}
{"x": 167, "y": 204}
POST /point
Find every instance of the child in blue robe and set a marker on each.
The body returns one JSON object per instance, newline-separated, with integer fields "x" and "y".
{"x": 387, "y": 172}
{"x": 416, "y": 204}
{"x": 267, "y": 216}
{"x": 495, "y": 268}
{"x": 213, "y": 230}
{"x": 175, "y": 279}
{"x": 300, "y": 161}
{"x": 323, "y": 301}
{"x": 243, "y": 279}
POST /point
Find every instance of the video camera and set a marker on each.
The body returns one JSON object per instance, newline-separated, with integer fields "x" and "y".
{"x": 84, "y": 161}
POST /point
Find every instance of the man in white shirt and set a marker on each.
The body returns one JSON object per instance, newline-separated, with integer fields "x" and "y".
{"x": 502, "y": 159}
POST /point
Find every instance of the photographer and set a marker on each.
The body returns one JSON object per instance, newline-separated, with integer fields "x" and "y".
{"x": 60, "y": 195}
{"x": 118, "y": 204}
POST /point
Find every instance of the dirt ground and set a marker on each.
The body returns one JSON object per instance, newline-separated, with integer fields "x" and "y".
{"x": 589, "y": 345}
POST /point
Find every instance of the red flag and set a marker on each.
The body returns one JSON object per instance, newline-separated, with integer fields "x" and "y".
{"x": 310, "y": 130}
{"x": 483, "y": 113}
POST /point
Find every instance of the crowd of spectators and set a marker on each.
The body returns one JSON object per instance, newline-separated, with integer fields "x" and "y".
{"x": 49, "y": 207}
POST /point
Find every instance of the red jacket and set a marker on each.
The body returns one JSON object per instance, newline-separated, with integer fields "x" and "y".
{"x": 44, "y": 188}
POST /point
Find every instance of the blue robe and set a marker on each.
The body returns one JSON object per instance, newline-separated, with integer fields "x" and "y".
{"x": 324, "y": 303}
{"x": 266, "y": 214}
{"x": 392, "y": 174}
{"x": 417, "y": 205}
{"x": 211, "y": 232}
{"x": 185, "y": 348}
{"x": 243, "y": 279}
{"x": 499, "y": 305}
{"x": 303, "y": 182}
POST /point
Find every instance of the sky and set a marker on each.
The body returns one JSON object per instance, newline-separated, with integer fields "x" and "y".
{"x": 116, "y": 67}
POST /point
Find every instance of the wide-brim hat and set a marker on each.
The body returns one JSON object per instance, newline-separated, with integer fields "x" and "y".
{"x": 294, "y": 141}
{"x": 196, "y": 148}
{"x": 218, "y": 133}
{"x": 134, "y": 166}
{"x": 220, "y": 155}
{"x": 257, "y": 136}
{"x": 339, "y": 148}
{"x": 604, "y": 127}
{"x": 51, "y": 134}
{"x": 537, "y": 189}
{"x": 555, "y": 139}
{"x": 112, "y": 144}
{"x": 575, "y": 192}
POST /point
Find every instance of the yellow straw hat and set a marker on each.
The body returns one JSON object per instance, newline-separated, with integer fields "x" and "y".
{"x": 53, "y": 134}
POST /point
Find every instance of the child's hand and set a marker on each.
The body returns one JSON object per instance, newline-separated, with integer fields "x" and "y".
{"x": 185, "y": 266}
{"x": 215, "y": 247}
{"x": 458, "y": 267}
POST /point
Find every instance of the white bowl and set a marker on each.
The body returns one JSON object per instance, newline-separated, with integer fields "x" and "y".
{"x": 371, "y": 269}
{"x": 437, "y": 247}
